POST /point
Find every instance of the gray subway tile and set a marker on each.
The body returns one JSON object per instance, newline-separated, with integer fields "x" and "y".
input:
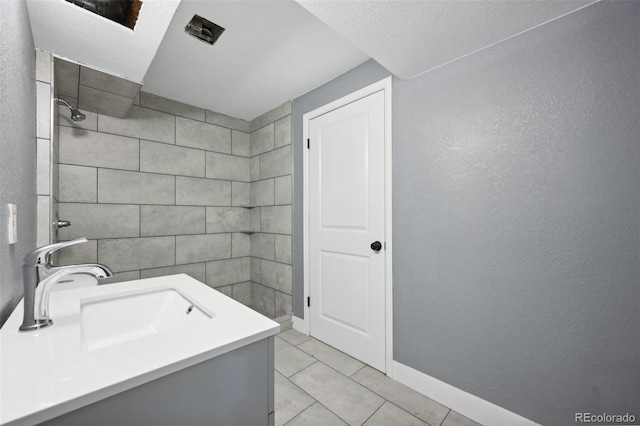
{"x": 88, "y": 148}
{"x": 79, "y": 253}
{"x": 171, "y": 159}
{"x": 170, "y": 106}
{"x": 230, "y": 167}
{"x": 227, "y": 121}
{"x": 255, "y": 269}
{"x": 64, "y": 118}
{"x": 43, "y": 166}
{"x": 263, "y": 299}
{"x": 108, "y": 83}
{"x": 242, "y": 292}
{"x": 194, "y": 270}
{"x": 276, "y": 219}
{"x": 227, "y": 219}
{"x": 254, "y": 220}
{"x": 67, "y": 78}
{"x": 122, "y": 187}
{"x": 202, "y": 192}
{"x": 283, "y": 190}
{"x": 262, "y": 246}
{"x": 77, "y": 184}
{"x": 272, "y": 115}
{"x": 99, "y": 220}
{"x": 276, "y": 163}
{"x": 283, "y": 304}
{"x": 262, "y": 140}
{"x": 43, "y": 66}
{"x": 197, "y": 134}
{"x": 228, "y": 271}
{"x": 141, "y": 123}
{"x": 262, "y": 193}
{"x": 109, "y": 104}
{"x": 43, "y": 221}
{"x": 43, "y": 110}
{"x": 202, "y": 248}
{"x": 254, "y": 168}
{"x": 137, "y": 253}
{"x": 227, "y": 290}
{"x": 276, "y": 275}
{"x": 240, "y": 143}
{"x": 283, "y": 248}
{"x": 240, "y": 193}
{"x": 283, "y": 132}
{"x": 171, "y": 220}
{"x": 240, "y": 245}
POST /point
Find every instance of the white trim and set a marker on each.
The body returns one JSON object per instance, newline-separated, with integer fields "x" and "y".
{"x": 300, "y": 324}
{"x": 477, "y": 409}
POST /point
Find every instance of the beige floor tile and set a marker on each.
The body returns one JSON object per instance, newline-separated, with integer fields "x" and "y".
{"x": 294, "y": 337}
{"x": 456, "y": 419}
{"x": 331, "y": 356}
{"x": 344, "y": 397}
{"x": 289, "y": 360}
{"x": 415, "y": 403}
{"x": 316, "y": 415}
{"x": 390, "y": 414}
{"x": 290, "y": 400}
{"x": 363, "y": 372}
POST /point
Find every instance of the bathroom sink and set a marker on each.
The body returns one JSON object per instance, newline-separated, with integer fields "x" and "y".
{"x": 115, "y": 319}
{"x": 107, "y": 339}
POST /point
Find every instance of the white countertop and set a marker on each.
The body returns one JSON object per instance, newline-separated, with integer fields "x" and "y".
{"x": 50, "y": 372}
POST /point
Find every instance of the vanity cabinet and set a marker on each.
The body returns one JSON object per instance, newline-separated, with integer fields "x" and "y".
{"x": 235, "y": 388}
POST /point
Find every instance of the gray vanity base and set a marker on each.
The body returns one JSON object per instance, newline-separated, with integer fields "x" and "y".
{"x": 232, "y": 389}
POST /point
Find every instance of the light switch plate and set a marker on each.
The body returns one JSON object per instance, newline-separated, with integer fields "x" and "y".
{"x": 13, "y": 224}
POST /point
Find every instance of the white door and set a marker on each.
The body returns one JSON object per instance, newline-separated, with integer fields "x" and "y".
{"x": 346, "y": 215}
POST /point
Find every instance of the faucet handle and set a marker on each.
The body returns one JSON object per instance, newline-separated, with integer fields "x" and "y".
{"x": 43, "y": 254}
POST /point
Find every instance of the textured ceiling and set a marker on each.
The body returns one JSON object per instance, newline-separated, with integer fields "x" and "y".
{"x": 411, "y": 37}
{"x": 271, "y": 52}
{"x": 71, "y": 32}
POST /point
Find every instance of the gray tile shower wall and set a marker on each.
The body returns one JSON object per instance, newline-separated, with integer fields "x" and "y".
{"x": 159, "y": 192}
{"x": 173, "y": 188}
{"x": 270, "y": 218}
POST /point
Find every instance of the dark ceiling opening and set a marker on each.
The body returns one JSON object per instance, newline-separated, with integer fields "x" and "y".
{"x": 124, "y": 12}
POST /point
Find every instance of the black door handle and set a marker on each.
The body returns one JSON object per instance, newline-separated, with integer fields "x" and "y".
{"x": 376, "y": 246}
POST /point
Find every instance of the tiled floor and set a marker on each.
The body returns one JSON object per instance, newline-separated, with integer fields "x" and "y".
{"x": 316, "y": 384}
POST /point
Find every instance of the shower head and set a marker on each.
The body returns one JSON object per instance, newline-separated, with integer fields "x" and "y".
{"x": 76, "y": 115}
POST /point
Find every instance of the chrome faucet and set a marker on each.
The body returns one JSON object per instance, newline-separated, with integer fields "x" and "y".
{"x": 39, "y": 276}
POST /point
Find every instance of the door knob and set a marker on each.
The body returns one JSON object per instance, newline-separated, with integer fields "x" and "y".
{"x": 376, "y": 246}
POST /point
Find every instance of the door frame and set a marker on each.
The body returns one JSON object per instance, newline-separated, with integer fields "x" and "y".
{"x": 384, "y": 85}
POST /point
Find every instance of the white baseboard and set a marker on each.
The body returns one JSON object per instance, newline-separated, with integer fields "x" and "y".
{"x": 477, "y": 409}
{"x": 299, "y": 324}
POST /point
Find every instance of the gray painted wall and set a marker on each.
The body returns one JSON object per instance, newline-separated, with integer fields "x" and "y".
{"x": 516, "y": 218}
{"x": 357, "y": 78}
{"x": 17, "y": 146}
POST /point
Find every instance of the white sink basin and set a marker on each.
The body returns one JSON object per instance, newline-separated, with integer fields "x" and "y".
{"x": 119, "y": 318}
{"x": 107, "y": 339}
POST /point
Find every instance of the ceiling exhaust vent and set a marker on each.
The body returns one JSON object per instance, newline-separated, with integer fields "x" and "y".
{"x": 204, "y": 29}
